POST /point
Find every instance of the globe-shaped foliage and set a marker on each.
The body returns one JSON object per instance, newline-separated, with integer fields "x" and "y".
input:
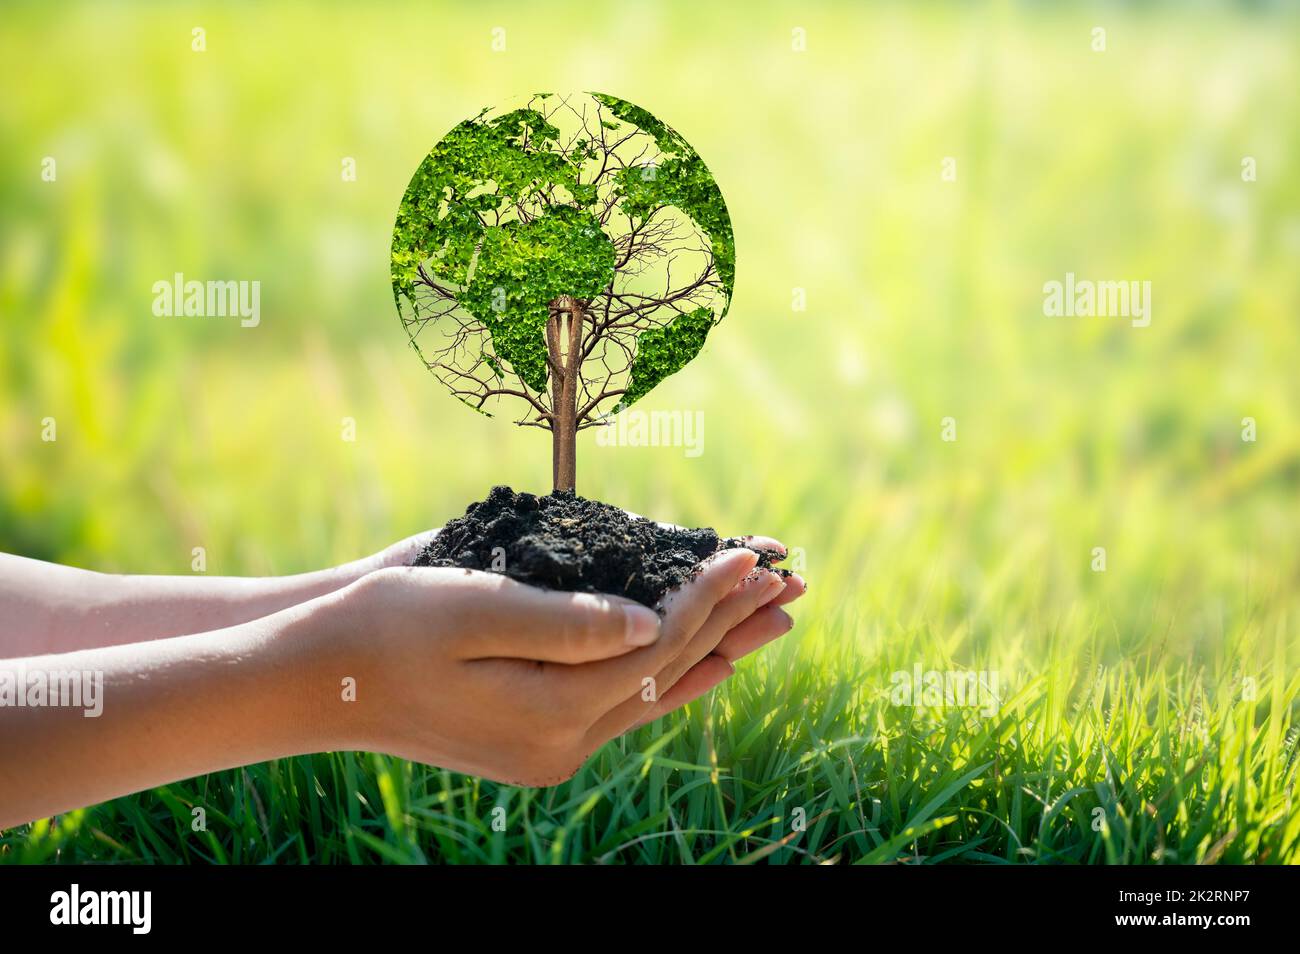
{"x": 581, "y": 197}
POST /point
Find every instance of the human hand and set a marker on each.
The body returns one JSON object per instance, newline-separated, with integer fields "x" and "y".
{"x": 482, "y": 674}
{"x": 471, "y": 671}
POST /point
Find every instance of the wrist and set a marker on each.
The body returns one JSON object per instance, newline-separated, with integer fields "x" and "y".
{"x": 330, "y": 669}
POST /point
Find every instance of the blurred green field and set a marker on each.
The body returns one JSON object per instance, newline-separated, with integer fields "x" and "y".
{"x": 1163, "y": 691}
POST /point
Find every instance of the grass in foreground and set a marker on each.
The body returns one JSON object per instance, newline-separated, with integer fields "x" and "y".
{"x": 1091, "y": 756}
{"x": 1147, "y": 713}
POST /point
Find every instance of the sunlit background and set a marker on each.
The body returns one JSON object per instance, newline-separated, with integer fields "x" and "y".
{"x": 910, "y": 176}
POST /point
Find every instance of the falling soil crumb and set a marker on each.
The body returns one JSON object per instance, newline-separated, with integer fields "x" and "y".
{"x": 566, "y": 542}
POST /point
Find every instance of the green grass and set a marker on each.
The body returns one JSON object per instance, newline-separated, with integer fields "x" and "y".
{"x": 1163, "y": 691}
{"x": 1183, "y": 764}
{"x": 1181, "y": 768}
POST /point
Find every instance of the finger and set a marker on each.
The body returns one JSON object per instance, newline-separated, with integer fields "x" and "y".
{"x": 735, "y": 608}
{"x": 685, "y": 611}
{"x": 501, "y": 618}
{"x": 795, "y": 587}
{"x": 754, "y": 633}
{"x": 757, "y": 542}
{"x": 756, "y": 591}
{"x": 765, "y": 545}
{"x": 762, "y": 627}
{"x": 708, "y": 673}
{"x": 403, "y": 552}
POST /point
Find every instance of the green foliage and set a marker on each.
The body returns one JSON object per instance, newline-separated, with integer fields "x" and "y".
{"x": 1127, "y": 688}
{"x": 521, "y": 267}
{"x": 681, "y": 180}
{"x": 663, "y": 351}
{"x": 467, "y": 176}
{"x": 505, "y": 214}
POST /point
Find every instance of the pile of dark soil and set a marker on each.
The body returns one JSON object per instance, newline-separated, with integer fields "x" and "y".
{"x": 566, "y": 542}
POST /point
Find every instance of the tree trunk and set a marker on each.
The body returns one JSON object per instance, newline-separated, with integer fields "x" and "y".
{"x": 564, "y": 343}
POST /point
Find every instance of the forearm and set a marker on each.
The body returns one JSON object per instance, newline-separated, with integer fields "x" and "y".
{"x": 168, "y": 709}
{"x": 48, "y": 608}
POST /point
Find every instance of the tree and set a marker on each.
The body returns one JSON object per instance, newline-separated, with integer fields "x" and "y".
{"x": 569, "y": 254}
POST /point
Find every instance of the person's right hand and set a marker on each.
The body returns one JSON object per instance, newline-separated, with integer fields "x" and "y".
{"x": 481, "y": 674}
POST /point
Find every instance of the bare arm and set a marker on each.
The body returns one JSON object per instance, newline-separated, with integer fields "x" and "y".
{"x": 469, "y": 671}
{"x": 48, "y": 608}
{"x": 154, "y": 712}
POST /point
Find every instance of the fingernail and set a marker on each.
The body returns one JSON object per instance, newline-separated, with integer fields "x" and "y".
{"x": 769, "y": 546}
{"x": 780, "y": 550}
{"x": 640, "y": 625}
{"x": 737, "y": 555}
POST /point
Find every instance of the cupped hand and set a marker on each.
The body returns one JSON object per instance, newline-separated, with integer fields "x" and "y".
{"x": 481, "y": 674}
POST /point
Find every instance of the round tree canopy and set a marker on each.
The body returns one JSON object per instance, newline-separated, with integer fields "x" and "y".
{"x": 583, "y": 202}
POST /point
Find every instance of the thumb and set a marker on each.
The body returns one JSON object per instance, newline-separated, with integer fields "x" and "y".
{"x": 525, "y": 622}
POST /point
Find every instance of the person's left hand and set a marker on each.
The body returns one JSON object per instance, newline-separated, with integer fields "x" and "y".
{"x": 479, "y": 673}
